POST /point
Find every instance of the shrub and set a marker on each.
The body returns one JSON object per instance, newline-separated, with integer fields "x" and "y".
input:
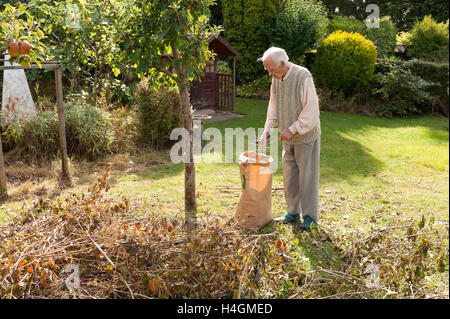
{"x": 88, "y": 131}
{"x": 158, "y": 113}
{"x": 429, "y": 40}
{"x": 88, "y": 134}
{"x": 223, "y": 68}
{"x": 403, "y": 37}
{"x": 347, "y": 24}
{"x": 383, "y": 37}
{"x": 298, "y": 26}
{"x": 344, "y": 60}
{"x": 308, "y": 59}
{"x": 258, "y": 88}
{"x": 244, "y": 23}
{"x": 401, "y": 92}
{"x": 435, "y": 73}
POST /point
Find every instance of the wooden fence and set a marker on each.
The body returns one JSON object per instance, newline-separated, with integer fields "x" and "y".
{"x": 226, "y": 92}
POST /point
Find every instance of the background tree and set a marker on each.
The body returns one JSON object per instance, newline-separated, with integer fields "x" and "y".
{"x": 216, "y": 13}
{"x": 17, "y": 26}
{"x": 355, "y": 8}
{"x": 82, "y": 35}
{"x": 168, "y": 41}
{"x": 298, "y": 26}
{"x": 244, "y": 23}
{"x": 403, "y": 13}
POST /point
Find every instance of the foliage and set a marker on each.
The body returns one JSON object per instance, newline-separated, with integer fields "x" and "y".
{"x": 403, "y": 37}
{"x": 402, "y": 92}
{"x": 168, "y": 41}
{"x": 88, "y": 134}
{"x": 383, "y": 37}
{"x": 348, "y": 24}
{"x": 360, "y": 101}
{"x": 216, "y": 17}
{"x": 136, "y": 257}
{"x": 404, "y": 13}
{"x": 223, "y": 68}
{"x": 158, "y": 113}
{"x": 176, "y": 37}
{"x": 436, "y": 74}
{"x": 17, "y": 25}
{"x": 343, "y": 61}
{"x": 252, "y": 88}
{"x": 298, "y": 26}
{"x": 429, "y": 40}
{"x": 244, "y": 23}
{"x": 347, "y": 8}
{"x": 83, "y": 35}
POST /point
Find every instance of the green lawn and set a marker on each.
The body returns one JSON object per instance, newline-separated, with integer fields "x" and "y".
{"x": 375, "y": 173}
{"x": 367, "y": 164}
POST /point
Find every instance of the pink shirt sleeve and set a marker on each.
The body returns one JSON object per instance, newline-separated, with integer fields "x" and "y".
{"x": 271, "y": 119}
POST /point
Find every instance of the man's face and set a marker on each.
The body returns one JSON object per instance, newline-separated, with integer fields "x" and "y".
{"x": 274, "y": 70}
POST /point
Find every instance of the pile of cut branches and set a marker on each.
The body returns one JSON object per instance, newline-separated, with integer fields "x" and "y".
{"x": 114, "y": 253}
{"x": 94, "y": 246}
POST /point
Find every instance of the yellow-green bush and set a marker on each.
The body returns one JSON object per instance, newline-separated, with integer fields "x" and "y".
{"x": 384, "y": 36}
{"x": 343, "y": 61}
{"x": 429, "y": 40}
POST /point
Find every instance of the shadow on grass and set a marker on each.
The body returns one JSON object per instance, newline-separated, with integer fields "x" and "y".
{"x": 341, "y": 157}
{"x": 439, "y": 135}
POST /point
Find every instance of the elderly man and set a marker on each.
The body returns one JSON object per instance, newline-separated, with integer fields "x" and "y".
{"x": 294, "y": 107}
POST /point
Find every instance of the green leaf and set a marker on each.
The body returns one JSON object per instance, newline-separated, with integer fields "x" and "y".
{"x": 116, "y": 71}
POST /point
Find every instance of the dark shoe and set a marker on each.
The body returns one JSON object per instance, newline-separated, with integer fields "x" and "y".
{"x": 288, "y": 219}
{"x": 308, "y": 224}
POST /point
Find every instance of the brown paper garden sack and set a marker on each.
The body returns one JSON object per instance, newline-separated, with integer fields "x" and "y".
{"x": 255, "y": 206}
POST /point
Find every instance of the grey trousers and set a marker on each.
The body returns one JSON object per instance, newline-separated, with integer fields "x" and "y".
{"x": 301, "y": 178}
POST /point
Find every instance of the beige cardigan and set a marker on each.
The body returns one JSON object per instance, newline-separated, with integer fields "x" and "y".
{"x": 307, "y": 119}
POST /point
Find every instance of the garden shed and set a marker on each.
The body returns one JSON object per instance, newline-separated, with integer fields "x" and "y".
{"x": 216, "y": 90}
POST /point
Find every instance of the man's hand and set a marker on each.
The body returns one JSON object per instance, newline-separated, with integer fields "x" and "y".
{"x": 286, "y": 135}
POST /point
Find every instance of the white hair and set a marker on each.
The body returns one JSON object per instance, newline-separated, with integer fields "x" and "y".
{"x": 277, "y": 54}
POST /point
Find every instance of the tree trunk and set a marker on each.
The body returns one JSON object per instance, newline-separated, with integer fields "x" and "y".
{"x": 3, "y": 187}
{"x": 189, "y": 172}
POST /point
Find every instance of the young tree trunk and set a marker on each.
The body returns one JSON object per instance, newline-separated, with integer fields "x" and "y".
{"x": 189, "y": 171}
{"x": 3, "y": 187}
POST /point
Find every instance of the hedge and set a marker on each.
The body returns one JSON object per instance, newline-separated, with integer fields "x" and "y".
{"x": 244, "y": 23}
{"x": 438, "y": 73}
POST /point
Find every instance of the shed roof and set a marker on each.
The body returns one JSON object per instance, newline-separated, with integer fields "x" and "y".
{"x": 221, "y": 47}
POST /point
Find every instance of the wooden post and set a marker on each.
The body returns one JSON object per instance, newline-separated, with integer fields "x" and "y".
{"x": 234, "y": 83}
{"x": 62, "y": 126}
{"x": 3, "y": 188}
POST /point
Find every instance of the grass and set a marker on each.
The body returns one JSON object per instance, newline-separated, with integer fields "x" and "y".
{"x": 375, "y": 172}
